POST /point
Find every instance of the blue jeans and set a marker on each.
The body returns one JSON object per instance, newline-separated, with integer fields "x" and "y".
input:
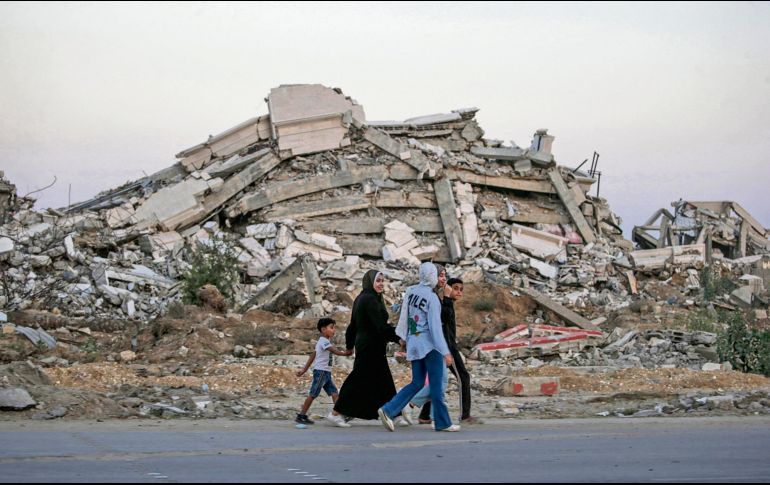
{"x": 423, "y": 396}
{"x": 432, "y": 365}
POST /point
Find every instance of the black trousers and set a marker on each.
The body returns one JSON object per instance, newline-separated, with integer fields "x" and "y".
{"x": 461, "y": 373}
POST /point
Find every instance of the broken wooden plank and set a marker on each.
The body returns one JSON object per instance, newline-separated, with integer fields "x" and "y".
{"x": 448, "y": 211}
{"x": 568, "y": 199}
{"x": 565, "y": 313}
{"x": 524, "y": 185}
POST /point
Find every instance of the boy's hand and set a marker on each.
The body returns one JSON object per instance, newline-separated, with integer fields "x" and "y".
{"x": 300, "y": 372}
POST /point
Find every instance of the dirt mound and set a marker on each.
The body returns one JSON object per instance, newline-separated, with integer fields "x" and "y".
{"x": 652, "y": 381}
{"x": 486, "y": 310}
{"x": 22, "y": 374}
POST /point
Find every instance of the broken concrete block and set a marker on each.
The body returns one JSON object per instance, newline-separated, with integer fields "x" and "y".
{"x": 254, "y": 248}
{"x": 425, "y": 252}
{"x": 262, "y": 231}
{"x": 544, "y": 268}
{"x": 467, "y": 202}
{"x": 538, "y": 243}
{"x": 160, "y": 244}
{"x": 284, "y": 237}
{"x": 15, "y": 399}
{"x": 6, "y": 246}
{"x": 38, "y": 261}
{"x": 308, "y": 118}
{"x": 171, "y": 206}
{"x": 37, "y": 336}
{"x": 508, "y": 154}
{"x": 320, "y": 240}
{"x": 120, "y": 216}
{"x": 542, "y": 141}
{"x": 472, "y": 131}
{"x": 342, "y": 270}
{"x": 653, "y": 259}
{"x": 743, "y": 296}
{"x": 318, "y": 253}
{"x": 522, "y": 166}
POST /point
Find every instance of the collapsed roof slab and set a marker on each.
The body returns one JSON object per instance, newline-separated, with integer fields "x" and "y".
{"x": 308, "y": 118}
{"x": 296, "y": 188}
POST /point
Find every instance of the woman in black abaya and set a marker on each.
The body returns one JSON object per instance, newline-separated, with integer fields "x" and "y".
{"x": 370, "y": 385}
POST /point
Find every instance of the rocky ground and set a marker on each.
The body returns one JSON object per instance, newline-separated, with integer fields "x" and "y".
{"x": 195, "y": 363}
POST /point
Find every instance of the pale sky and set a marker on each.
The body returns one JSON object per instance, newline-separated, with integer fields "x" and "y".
{"x": 674, "y": 96}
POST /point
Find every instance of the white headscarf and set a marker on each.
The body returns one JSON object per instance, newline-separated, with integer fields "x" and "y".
{"x": 428, "y": 275}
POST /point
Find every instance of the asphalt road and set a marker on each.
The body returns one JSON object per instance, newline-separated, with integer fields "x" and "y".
{"x": 701, "y": 450}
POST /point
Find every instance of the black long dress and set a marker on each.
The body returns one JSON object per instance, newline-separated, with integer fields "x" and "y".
{"x": 370, "y": 384}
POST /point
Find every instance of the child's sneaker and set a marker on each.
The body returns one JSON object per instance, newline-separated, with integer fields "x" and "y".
{"x": 338, "y": 420}
{"x": 303, "y": 419}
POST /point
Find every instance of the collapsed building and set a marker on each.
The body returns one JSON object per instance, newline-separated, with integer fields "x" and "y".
{"x": 310, "y": 196}
{"x": 313, "y": 194}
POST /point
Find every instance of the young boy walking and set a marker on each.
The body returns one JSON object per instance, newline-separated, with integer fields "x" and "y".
{"x": 322, "y": 373}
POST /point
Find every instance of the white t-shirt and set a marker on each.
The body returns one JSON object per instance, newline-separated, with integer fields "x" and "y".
{"x": 323, "y": 358}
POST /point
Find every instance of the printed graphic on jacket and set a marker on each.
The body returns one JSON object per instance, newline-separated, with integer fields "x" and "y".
{"x": 412, "y": 321}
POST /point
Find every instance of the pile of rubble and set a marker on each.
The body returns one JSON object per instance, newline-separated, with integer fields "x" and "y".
{"x": 314, "y": 181}
{"x": 313, "y": 194}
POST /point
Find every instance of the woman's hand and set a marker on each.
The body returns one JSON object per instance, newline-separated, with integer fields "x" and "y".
{"x": 449, "y": 360}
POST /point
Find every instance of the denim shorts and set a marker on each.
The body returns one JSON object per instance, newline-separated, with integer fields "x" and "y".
{"x": 322, "y": 379}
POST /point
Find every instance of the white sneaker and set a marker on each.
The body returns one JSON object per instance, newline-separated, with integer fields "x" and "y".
{"x": 338, "y": 420}
{"x": 386, "y": 421}
{"x": 406, "y": 414}
{"x": 400, "y": 421}
{"x": 453, "y": 428}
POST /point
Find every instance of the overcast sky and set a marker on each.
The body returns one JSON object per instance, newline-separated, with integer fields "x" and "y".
{"x": 675, "y": 97}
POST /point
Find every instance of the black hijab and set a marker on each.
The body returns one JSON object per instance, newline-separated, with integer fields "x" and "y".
{"x": 368, "y": 284}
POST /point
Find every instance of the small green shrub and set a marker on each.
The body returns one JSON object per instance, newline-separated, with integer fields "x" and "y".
{"x": 484, "y": 305}
{"x": 214, "y": 263}
{"x": 176, "y": 310}
{"x": 746, "y": 349}
{"x": 159, "y": 328}
{"x": 702, "y": 321}
{"x": 91, "y": 349}
{"x": 714, "y": 284}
